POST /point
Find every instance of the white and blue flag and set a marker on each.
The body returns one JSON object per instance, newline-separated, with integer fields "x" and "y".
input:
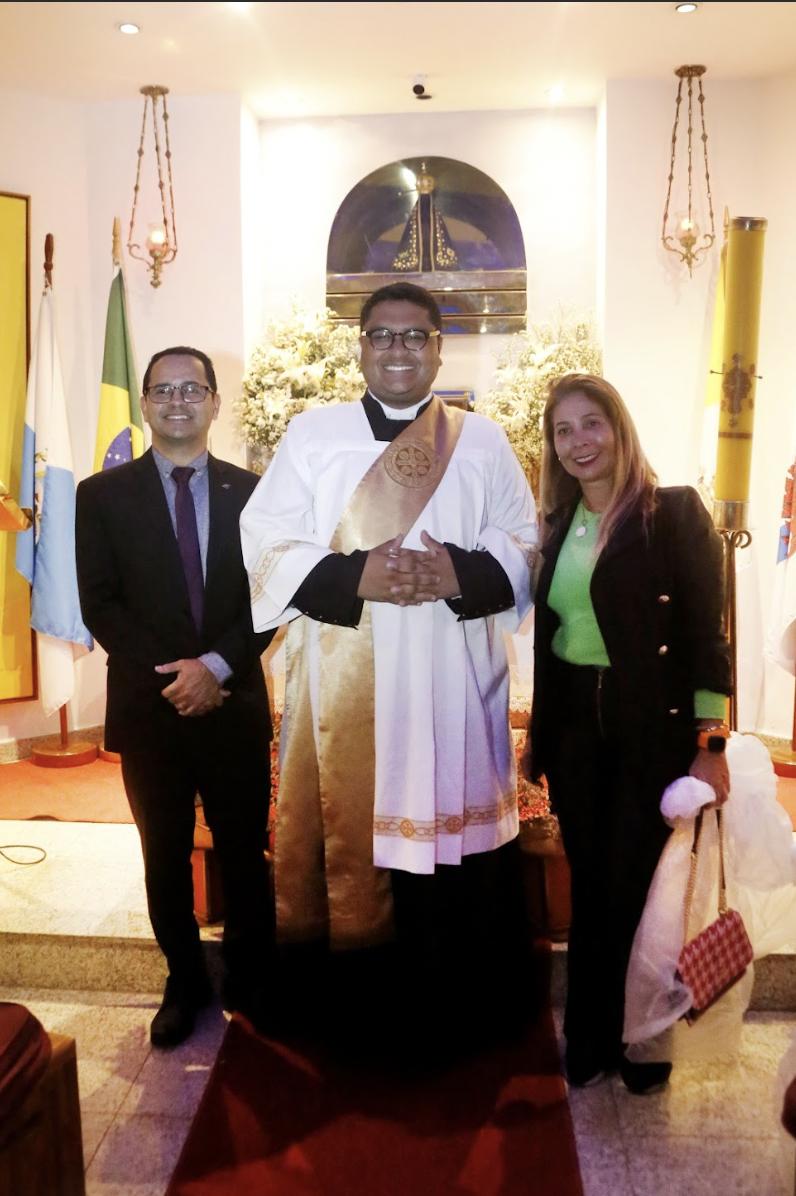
{"x": 46, "y": 553}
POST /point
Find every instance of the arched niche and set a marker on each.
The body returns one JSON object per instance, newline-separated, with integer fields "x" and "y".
{"x": 437, "y": 222}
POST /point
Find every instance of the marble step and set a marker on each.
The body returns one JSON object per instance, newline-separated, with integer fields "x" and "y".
{"x": 78, "y": 919}
{"x": 103, "y": 963}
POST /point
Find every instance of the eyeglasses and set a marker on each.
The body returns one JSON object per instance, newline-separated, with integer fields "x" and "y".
{"x": 413, "y": 338}
{"x": 192, "y": 392}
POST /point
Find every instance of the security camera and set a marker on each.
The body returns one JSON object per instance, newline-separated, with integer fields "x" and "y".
{"x": 419, "y": 90}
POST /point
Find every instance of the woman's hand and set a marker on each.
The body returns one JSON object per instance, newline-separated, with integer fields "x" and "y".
{"x": 711, "y": 767}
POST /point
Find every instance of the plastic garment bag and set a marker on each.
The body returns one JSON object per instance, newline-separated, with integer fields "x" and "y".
{"x": 760, "y": 862}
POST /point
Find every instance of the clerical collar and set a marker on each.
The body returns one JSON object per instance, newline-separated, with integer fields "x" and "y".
{"x": 404, "y": 413}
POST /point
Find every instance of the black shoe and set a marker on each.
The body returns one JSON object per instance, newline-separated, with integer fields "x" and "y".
{"x": 176, "y": 1018}
{"x": 642, "y": 1079}
{"x": 585, "y": 1066}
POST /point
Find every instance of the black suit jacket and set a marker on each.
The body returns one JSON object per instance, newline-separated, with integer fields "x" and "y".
{"x": 657, "y": 592}
{"x": 135, "y": 601}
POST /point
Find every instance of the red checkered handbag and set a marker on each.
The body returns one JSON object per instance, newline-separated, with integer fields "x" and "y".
{"x": 718, "y": 957}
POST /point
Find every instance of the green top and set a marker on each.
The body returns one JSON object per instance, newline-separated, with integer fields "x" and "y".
{"x": 578, "y": 639}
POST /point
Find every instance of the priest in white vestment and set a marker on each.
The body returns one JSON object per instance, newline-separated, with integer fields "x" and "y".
{"x": 395, "y": 536}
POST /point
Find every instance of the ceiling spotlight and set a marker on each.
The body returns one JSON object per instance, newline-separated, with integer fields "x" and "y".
{"x": 129, "y": 27}
{"x": 555, "y": 94}
{"x": 419, "y": 88}
{"x": 690, "y": 7}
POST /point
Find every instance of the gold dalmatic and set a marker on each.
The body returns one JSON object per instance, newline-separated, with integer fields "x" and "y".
{"x": 325, "y": 877}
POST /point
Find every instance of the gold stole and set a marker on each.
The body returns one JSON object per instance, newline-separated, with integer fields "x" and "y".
{"x": 323, "y": 858}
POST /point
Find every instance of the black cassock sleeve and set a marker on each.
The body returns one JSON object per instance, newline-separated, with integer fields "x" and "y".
{"x": 329, "y": 591}
{"x": 484, "y": 587}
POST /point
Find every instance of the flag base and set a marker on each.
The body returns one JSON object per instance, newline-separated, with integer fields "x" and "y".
{"x": 69, "y": 755}
{"x": 784, "y": 760}
{"x": 111, "y": 757}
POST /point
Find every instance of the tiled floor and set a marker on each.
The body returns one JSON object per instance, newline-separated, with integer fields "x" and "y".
{"x": 714, "y": 1131}
{"x": 136, "y": 1104}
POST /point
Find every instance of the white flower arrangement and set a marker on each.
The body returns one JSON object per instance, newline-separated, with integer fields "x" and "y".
{"x": 308, "y": 360}
{"x": 531, "y": 360}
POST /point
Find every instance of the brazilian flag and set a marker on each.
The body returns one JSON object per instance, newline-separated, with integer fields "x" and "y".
{"x": 120, "y": 430}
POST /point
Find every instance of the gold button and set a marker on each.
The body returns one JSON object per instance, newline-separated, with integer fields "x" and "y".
{"x": 664, "y": 598}
{"x": 664, "y": 648}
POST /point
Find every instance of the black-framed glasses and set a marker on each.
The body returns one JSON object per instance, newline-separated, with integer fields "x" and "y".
{"x": 412, "y": 338}
{"x": 192, "y": 392}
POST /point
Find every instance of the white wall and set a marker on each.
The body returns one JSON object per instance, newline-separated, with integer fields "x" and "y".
{"x": 253, "y": 234}
{"x": 43, "y": 154}
{"x": 775, "y": 419}
{"x": 77, "y": 162}
{"x": 657, "y": 320}
{"x": 544, "y": 161}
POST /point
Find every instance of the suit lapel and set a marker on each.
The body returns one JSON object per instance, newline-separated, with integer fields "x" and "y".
{"x": 224, "y": 525}
{"x": 626, "y": 536}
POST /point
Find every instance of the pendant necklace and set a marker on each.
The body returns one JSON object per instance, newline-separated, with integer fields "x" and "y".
{"x": 583, "y": 515}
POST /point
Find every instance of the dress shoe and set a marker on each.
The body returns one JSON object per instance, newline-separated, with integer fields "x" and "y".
{"x": 585, "y": 1066}
{"x": 176, "y": 1018}
{"x": 642, "y": 1079}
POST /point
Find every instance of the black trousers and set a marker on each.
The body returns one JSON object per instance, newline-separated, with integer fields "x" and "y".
{"x": 234, "y": 785}
{"x": 605, "y": 786}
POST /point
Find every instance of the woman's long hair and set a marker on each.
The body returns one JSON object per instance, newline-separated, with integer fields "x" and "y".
{"x": 634, "y": 478}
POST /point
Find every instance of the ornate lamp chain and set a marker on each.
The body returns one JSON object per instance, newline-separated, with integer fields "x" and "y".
{"x": 687, "y": 250}
{"x": 701, "y": 98}
{"x": 158, "y": 256}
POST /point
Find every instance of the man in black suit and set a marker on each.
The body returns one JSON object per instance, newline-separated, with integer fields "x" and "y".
{"x": 164, "y": 590}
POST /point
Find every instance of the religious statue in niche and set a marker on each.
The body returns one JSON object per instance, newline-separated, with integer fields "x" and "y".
{"x": 426, "y": 243}
{"x": 442, "y": 224}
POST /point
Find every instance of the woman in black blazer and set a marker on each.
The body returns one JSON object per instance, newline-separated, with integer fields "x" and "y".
{"x": 631, "y": 670}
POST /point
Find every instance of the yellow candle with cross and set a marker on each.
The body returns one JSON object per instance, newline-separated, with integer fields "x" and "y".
{"x": 744, "y": 285}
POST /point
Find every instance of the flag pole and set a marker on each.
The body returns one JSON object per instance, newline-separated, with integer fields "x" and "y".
{"x": 116, "y": 246}
{"x": 63, "y": 754}
{"x": 116, "y": 255}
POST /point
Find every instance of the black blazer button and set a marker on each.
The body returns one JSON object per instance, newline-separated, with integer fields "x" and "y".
{"x": 664, "y": 648}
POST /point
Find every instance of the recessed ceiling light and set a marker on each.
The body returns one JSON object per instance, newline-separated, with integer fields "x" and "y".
{"x": 555, "y": 94}
{"x": 239, "y": 7}
{"x": 129, "y": 27}
{"x": 686, "y": 7}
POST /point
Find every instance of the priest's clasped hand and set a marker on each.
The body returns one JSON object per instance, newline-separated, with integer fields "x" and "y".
{"x": 408, "y": 576}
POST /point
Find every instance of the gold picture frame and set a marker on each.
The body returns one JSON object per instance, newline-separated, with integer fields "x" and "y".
{"x": 458, "y": 398}
{"x": 17, "y": 646}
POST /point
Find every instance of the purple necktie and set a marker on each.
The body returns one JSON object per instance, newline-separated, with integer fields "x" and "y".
{"x": 188, "y": 541}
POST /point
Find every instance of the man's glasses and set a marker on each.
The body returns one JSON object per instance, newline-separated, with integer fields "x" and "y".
{"x": 413, "y": 338}
{"x": 192, "y": 392}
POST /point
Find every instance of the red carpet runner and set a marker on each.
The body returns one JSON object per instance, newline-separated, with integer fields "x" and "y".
{"x": 278, "y": 1122}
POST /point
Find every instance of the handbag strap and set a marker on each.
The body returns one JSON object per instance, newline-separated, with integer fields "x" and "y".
{"x": 689, "y": 892}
